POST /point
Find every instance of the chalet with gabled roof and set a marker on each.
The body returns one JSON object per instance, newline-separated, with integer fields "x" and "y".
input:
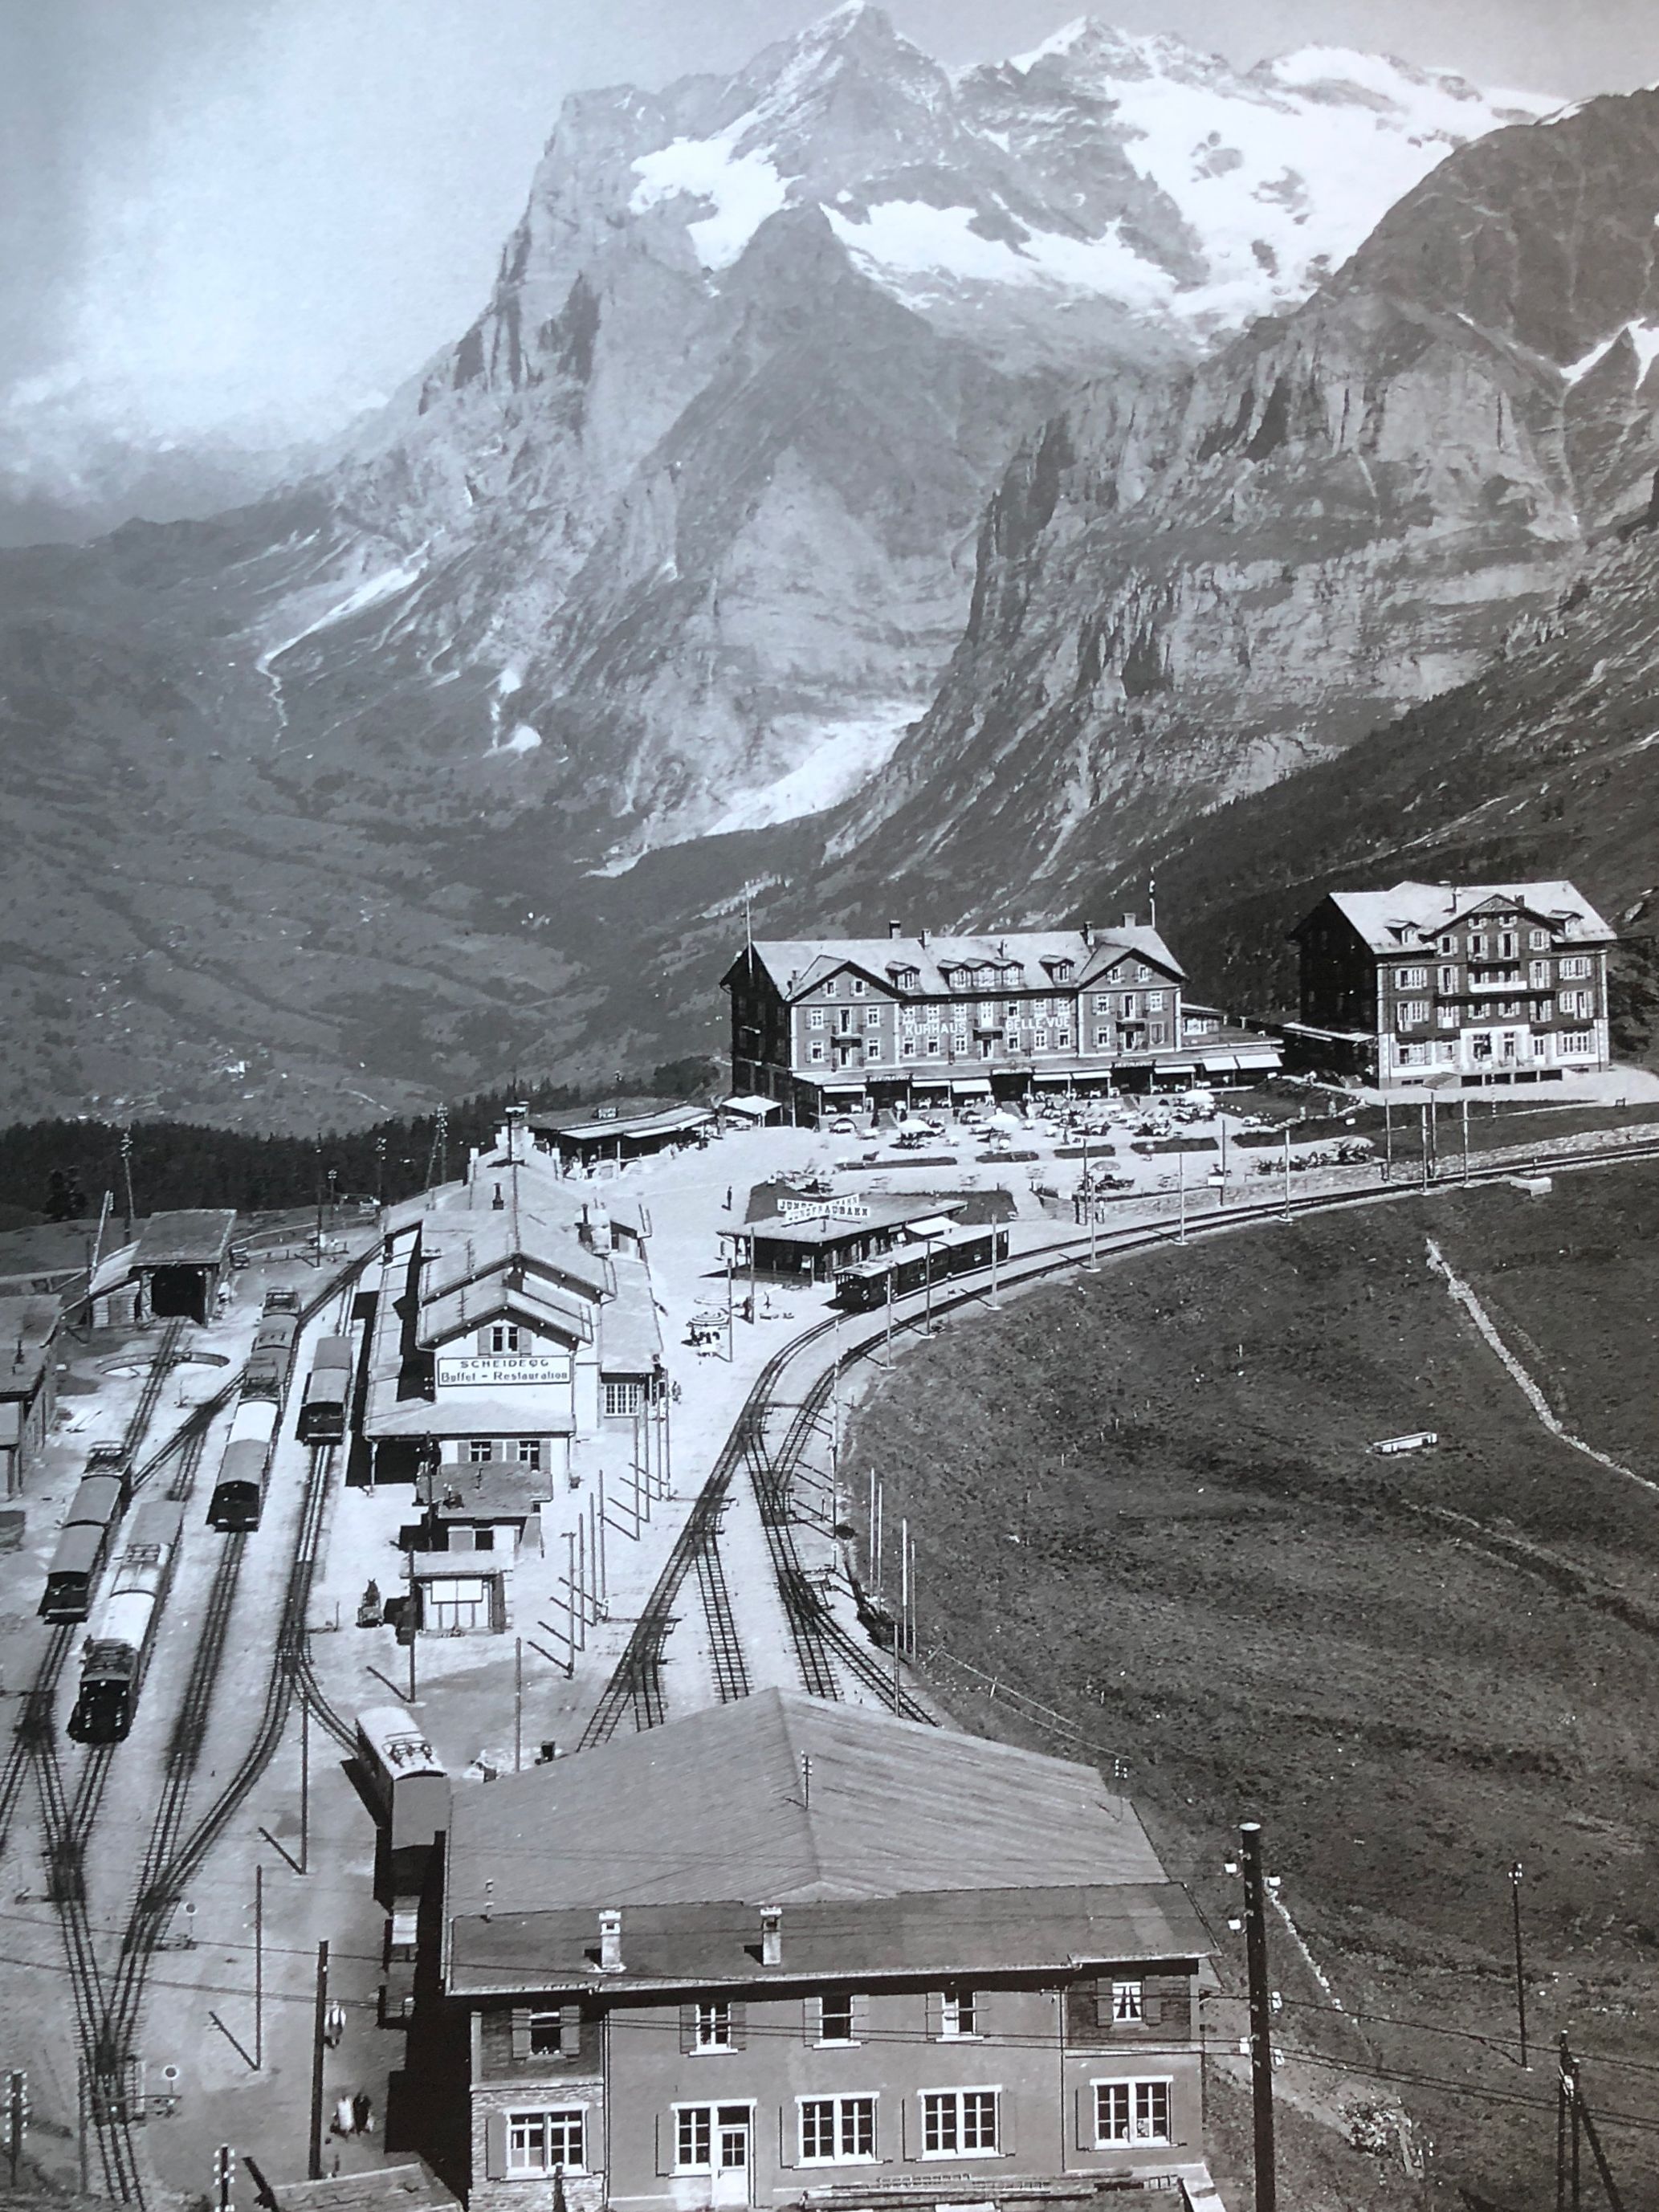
{"x": 1461, "y": 984}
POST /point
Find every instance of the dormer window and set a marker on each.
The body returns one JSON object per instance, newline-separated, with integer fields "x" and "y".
{"x": 906, "y": 979}
{"x": 1061, "y": 971}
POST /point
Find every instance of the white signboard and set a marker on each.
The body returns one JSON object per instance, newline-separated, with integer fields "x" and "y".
{"x": 504, "y": 1373}
{"x": 819, "y": 1209}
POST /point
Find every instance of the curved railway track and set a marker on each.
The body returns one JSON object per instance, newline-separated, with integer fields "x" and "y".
{"x": 819, "y": 1638}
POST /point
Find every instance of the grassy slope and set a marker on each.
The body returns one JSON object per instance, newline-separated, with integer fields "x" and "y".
{"x": 1145, "y": 1500}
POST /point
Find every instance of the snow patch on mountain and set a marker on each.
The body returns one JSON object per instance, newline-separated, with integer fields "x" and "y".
{"x": 741, "y": 189}
{"x": 910, "y": 239}
{"x": 838, "y": 760}
{"x": 1644, "y": 341}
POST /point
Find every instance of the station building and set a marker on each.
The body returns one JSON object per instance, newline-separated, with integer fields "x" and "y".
{"x": 1467, "y": 983}
{"x": 828, "y": 1025}
{"x": 790, "y": 1952}
{"x": 627, "y": 1129}
{"x": 28, "y": 1384}
{"x": 514, "y": 1330}
{"x": 179, "y": 1260}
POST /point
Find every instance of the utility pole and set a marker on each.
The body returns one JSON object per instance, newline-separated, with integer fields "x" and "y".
{"x": 1520, "y": 1967}
{"x": 1388, "y": 1138}
{"x": 126, "y": 1176}
{"x": 1424, "y": 1120}
{"x": 1181, "y": 1196}
{"x": 17, "y": 2114}
{"x": 258, "y": 1967}
{"x": 904, "y": 1582}
{"x": 518, "y": 1704}
{"x": 1261, "y": 2051}
{"x": 1576, "y": 2124}
{"x": 730, "y": 1354}
{"x": 224, "y": 2174}
{"x": 318, "y": 2032}
{"x": 1287, "y": 1168}
{"x": 1465, "y": 1104}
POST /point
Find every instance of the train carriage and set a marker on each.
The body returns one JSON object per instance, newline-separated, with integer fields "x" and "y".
{"x": 82, "y": 1544}
{"x": 118, "y": 1650}
{"x": 238, "y": 1493}
{"x": 328, "y": 1387}
{"x": 909, "y": 1268}
{"x": 272, "y": 1356}
{"x": 412, "y": 1788}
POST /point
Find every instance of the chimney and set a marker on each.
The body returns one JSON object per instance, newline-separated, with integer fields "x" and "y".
{"x": 895, "y": 929}
{"x": 1130, "y": 921}
{"x": 924, "y": 940}
{"x": 595, "y": 1226}
{"x": 498, "y": 1204}
{"x": 1089, "y": 935}
{"x": 611, "y": 1957}
{"x": 771, "y": 1934}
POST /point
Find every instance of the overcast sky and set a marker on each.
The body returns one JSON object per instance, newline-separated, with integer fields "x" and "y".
{"x": 217, "y": 204}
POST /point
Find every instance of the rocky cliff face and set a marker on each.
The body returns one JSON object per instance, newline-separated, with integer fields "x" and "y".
{"x": 1188, "y": 588}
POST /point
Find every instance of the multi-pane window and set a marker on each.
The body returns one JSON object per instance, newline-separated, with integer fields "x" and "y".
{"x": 1576, "y": 968}
{"x": 1413, "y": 1012}
{"x": 872, "y": 1051}
{"x": 1545, "y": 1010}
{"x": 933, "y": 1047}
{"x": 1449, "y": 942}
{"x": 1040, "y": 1040}
{"x": 1062, "y": 971}
{"x": 1577, "y": 1040}
{"x": 625, "y": 1398}
{"x": 1506, "y": 945}
{"x": 1447, "y": 1017}
{"x": 1131, "y": 1005}
{"x": 815, "y": 1019}
{"x": 480, "y": 1449}
{"x": 956, "y": 2122}
{"x": 836, "y": 2130}
{"x": 1103, "y": 1002}
{"x": 1155, "y": 1002}
{"x": 873, "y": 1018}
{"x": 858, "y": 987}
{"x": 836, "y": 2016}
{"x": 1063, "y": 1040}
{"x": 694, "y": 2138}
{"x": 1538, "y": 939}
{"x": 1131, "y": 2111}
{"x": 1128, "y": 2001}
{"x": 830, "y": 988}
{"x": 1477, "y": 946}
{"x": 815, "y": 1053}
{"x": 1577, "y": 1002}
{"x": 958, "y": 2014}
{"x": 1448, "y": 979}
{"x": 714, "y": 2025}
{"x": 1103, "y": 1039}
{"x": 1143, "y": 973}
{"x": 537, "y": 2143}
{"x": 530, "y": 1451}
{"x": 503, "y": 1337}
{"x": 1414, "y": 979}
{"x": 1011, "y": 1010}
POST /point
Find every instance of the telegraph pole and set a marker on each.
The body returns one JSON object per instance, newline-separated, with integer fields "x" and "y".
{"x": 126, "y": 1176}
{"x": 518, "y": 1704}
{"x": 318, "y": 2032}
{"x": 17, "y": 2113}
{"x": 224, "y": 2174}
{"x": 1520, "y": 1968}
{"x": 1261, "y": 2051}
{"x": 305, "y": 1783}
{"x": 258, "y": 1967}
{"x": 1287, "y": 1168}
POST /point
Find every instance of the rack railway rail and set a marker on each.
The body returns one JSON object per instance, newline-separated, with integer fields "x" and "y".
{"x": 820, "y": 1638}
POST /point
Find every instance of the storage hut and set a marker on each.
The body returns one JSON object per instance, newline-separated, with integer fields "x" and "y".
{"x": 180, "y": 1260}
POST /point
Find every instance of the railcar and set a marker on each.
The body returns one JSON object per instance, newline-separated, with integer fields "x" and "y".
{"x": 272, "y": 1356}
{"x": 82, "y": 1545}
{"x": 912, "y": 1267}
{"x": 118, "y": 1650}
{"x": 412, "y": 1791}
{"x": 328, "y": 1387}
{"x": 238, "y": 1493}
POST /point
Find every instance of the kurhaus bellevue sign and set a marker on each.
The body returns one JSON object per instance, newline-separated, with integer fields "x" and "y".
{"x": 503, "y": 1372}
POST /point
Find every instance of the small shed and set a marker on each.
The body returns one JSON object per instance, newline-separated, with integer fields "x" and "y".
{"x": 179, "y": 1259}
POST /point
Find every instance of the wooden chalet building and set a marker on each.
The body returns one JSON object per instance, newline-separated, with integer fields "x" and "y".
{"x": 841, "y": 1024}
{"x": 793, "y": 1951}
{"x": 1469, "y": 984}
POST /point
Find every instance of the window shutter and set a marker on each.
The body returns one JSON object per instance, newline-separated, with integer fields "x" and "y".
{"x": 935, "y": 2015}
{"x": 521, "y": 2031}
{"x": 905, "y": 2151}
{"x": 1005, "y": 2123}
{"x": 659, "y": 2124}
{"x": 809, "y": 2019}
{"x": 784, "y": 2158}
{"x": 739, "y": 2026}
{"x": 1083, "y": 2141}
{"x": 688, "y": 2027}
{"x": 1151, "y": 2004}
{"x": 1102, "y": 2001}
{"x": 495, "y": 2145}
{"x": 570, "y": 2032}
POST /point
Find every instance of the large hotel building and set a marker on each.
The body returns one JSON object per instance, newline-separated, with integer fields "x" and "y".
{"x": 823, "y": 1024}
{"x": 1468, "y": 984}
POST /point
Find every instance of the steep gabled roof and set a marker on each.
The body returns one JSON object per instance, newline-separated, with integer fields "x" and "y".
{"x": 797, "y": 965}
{"x": 1411, "y": 915}
{"x": 534, "y": 1301}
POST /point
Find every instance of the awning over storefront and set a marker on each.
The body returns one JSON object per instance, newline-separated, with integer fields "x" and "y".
{"x": 1173, "y": 1068}
{"x": 751, "y": 1106}
{"x": 1051, "y": 1079}
{"x": 1220, "y": 1063}
{"x": 978, "y": 1086}
{"x": 843, "y": 1091}
{"x": 1259, "y": 1056}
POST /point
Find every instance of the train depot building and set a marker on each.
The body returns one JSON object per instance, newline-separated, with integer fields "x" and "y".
{"x": 794, "y": 1952}
{"x": 179, "y": 1260}
{"x": 28, "y": 1384}
{"x": 1470, "y": 984}
{"x": 514, "y": 1338}
{"x": 828, "y": 1025}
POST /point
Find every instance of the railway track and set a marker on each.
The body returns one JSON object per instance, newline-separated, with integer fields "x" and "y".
{"x": 819, "y": 1638}
{"x": 726, "y": 1646}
